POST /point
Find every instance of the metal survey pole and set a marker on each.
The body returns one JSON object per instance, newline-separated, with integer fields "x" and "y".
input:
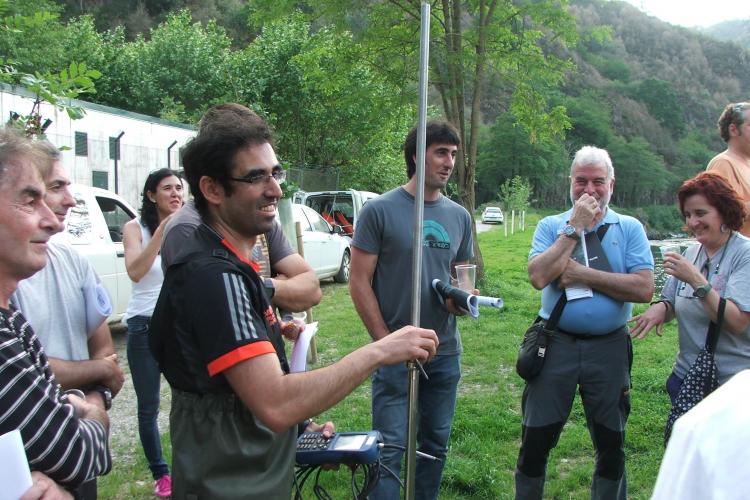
{"x": 416, "y": 289}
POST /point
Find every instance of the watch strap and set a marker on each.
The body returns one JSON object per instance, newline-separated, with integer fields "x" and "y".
{"x": 269, "y": 286}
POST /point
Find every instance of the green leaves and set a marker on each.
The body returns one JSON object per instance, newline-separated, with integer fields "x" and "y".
{"x": 57, "y": 88}
{"x": 515, "y": 193}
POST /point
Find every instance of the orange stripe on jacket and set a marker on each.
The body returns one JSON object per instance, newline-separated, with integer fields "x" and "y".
{"x": 247, "y": 351}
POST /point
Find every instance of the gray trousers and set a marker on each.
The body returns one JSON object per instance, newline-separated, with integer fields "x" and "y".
{"x": 600, "y": 368}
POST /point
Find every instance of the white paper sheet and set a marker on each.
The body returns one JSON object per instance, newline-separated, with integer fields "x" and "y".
{"x": 299, "y": 352}
{"x": 14, "y": 472}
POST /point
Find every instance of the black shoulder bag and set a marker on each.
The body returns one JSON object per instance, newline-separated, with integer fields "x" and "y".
{"x": 701, "y": 378}
{"x": 533, "y": 350}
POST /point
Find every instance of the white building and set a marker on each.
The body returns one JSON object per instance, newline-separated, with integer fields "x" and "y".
{"x": 146, "y": 143}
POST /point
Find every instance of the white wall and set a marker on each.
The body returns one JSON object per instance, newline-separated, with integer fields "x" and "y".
{"x": 143, "y": 147}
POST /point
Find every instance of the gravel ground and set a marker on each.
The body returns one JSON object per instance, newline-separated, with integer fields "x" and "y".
{"x": 124, "y": 440}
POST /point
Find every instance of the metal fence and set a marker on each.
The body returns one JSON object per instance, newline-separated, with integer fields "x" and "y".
{"x": 308, "y": 179}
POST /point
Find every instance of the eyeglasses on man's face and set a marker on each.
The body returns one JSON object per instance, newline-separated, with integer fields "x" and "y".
{"x": 260, "y": 177}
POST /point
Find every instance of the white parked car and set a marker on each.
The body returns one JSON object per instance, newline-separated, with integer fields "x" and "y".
{"x": 94, "y": 228}
{"x": 326, "y": 251}
{"x": 492, "y": 215}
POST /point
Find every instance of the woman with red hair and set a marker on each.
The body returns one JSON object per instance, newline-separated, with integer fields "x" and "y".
{"x": 719, "y": 267}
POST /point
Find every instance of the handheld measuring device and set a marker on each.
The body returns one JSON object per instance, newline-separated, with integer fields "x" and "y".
{"x": 341, "y": 448}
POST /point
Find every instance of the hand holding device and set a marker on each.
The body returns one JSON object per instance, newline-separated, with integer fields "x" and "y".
{"x": 313, "y": 448}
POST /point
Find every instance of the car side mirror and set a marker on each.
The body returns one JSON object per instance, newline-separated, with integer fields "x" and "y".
{"x": 337, "y": 229}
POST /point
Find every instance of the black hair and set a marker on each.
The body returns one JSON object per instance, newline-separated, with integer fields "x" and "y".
{"x": 438, "y": 132}
{"x": 149, "y": 211}
{"x": 223, "y": 132}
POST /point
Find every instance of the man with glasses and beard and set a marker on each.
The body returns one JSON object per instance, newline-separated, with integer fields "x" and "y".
{"x": 235, "y": 406}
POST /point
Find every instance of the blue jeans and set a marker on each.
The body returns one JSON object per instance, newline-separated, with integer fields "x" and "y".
{"x": 146, "y": 380}
{"x": 437, "y": 403}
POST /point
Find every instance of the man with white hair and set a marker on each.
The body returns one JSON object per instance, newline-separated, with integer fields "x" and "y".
{"x": 590, "y": 348}
{"x": 54, "y": 302}
{"x": 64, "y": 436}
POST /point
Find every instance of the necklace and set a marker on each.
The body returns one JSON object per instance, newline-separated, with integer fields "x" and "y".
{"x": 707, "y": 265}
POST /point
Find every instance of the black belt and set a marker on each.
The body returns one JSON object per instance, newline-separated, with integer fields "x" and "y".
{"x": 592, "y": 336}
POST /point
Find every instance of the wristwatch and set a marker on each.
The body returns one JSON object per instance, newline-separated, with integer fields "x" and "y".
{"x": 702, "y": 291}
{"x": 269, "y": 286}
{"x": 106, "y": 395}
{"x": 570, "y": 232}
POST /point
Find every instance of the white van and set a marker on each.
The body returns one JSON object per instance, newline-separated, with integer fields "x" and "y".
{"x": 337, "y": 207}
{"x": 94, "y": 228}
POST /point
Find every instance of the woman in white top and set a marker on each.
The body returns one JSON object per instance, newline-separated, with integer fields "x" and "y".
{"x": 162, "y": 197}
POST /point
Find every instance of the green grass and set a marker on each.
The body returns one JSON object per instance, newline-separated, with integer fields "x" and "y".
{"x": 487, "y": 425}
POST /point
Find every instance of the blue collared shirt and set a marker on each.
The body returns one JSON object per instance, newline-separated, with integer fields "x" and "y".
{"x": 627, "y": 250}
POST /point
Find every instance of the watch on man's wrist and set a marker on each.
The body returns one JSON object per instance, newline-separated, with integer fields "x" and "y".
{"x": 269, "y": 286}
{"x": 702, "y": 291}
{"x": 570, "y": 232}
{"x": 106, "y": 395}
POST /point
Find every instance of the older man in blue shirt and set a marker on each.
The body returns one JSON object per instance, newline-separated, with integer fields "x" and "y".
{"x": 590, "y": 349}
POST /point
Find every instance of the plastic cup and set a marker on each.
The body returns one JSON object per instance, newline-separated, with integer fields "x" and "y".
{"x": 670, "y": 247}
{"x": 466, "y": 275}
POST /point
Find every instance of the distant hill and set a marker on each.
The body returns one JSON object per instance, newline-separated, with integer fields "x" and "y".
{"x": 737, "y": 31}
{"x": 705, "y": 73}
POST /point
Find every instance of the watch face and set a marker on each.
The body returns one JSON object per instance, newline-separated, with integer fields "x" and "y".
{"x": 702, "y": 291}
{"x": 569, "y": 231}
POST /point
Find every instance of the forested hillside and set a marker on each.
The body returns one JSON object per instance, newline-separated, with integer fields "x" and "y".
{"x": 337, "y": 80}
{"x": 650, "y": 92}
{"x": 737, "y": 31}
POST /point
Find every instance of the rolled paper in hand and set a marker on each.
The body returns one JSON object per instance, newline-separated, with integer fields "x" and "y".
{"x": 490, "y": 301}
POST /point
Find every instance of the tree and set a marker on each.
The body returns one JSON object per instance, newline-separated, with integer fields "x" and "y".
{"x": 506, "y": 151}
{"x": 30, "y": 36}
{"x": 328, "y": 108}
{"x": 181, "y": 70}
{"x": 517, "y": 42}
{"x": 641, "y": 177}
{"x": 54, "y": 87}
{"x": 515, "y": 194}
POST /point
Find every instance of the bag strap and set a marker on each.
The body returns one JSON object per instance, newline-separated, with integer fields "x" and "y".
{"x": 554, "y": 318}
{"x": 557, "y": 311}
{"x": 712, "y": 338}
{"x": 602, "y": 230}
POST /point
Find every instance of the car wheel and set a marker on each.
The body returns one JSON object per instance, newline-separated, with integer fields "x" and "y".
{"x": 343, "y": 275}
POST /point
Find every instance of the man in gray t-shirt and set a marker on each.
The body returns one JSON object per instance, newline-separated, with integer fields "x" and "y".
{"x": 380, "y": 287}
